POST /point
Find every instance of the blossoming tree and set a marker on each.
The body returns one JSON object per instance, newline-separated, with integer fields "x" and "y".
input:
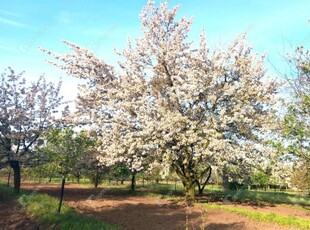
{"x": 26, "y": 110}
{"x": 172, "y": 103}
{"x": 296, "y": 122}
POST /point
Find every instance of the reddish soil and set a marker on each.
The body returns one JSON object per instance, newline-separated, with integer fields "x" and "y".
{"x": 143, "y": 212}
{"x": 13, "y": 216}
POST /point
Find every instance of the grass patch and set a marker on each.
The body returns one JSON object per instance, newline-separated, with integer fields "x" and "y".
{"x": 5, "y": 192}
{"x": 269, "y": 197}
{"x": 43, "y": 208}
{"x": 291, "y": 221}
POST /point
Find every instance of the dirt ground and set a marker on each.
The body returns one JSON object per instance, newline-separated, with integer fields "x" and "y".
{"x": 13, "y": 216}
{"x": 144, "y": 212}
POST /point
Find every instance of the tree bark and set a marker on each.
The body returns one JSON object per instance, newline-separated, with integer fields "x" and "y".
{"x": 175, "y": 184}
{"x": 189, "y": 192}
{"x": 225, "y": 178}
{"x": 78, "y": 178}
{"x": 143, "y": 181}
{"x": 16, "y": 169}
{"x": 201, "y": 186}
{"x": 133, "y": 181}
{"x": 9, "y": 177}
{"x": 188, "y": 180}
{"x": 62, "y": 191}
{"x": 96, "y": 179}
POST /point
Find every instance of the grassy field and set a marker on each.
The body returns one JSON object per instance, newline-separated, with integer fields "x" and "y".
{"x": 259, "y": 196}
{"x": 172, "y": 189}
{"x": 248, "y": 196}
{"x": 43, "y": 208}
{"x": 290, "y": 221}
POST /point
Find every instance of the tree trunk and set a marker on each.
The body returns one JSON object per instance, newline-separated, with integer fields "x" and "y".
{"x": 200, "y": 190}
{"x": 143, "y": 181}
{"x": 16, "y": 168}
{"x": 78, "y": 179}
{"x": 175, "y": 184}
{"x": 62, "y": 191}
{"x": 133, "y": 181}
{"x": 50, "y": 179}
{"x": 188, "y": 180}
{"x": 189, "y": 192}
{"x": 201, "y": 184}
{"x": 225, "y": 178}
{"x": 96, "y": 179}
{"x": 9, "y": 177}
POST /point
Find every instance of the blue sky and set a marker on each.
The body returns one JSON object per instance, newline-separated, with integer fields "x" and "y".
{"x": 273, "y": 26}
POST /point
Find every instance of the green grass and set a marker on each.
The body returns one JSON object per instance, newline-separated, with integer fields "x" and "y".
{"x": 57, "y": 180}
{"x": 269, "y": 197}
{"x": 5, "y": 192}
{"x": 252, "y": 196}
{"x": 43, "y": 208}
{"x": 249, "y": 196}
{"x": 291, "y": 221}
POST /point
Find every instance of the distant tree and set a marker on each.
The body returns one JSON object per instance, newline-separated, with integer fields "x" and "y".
{"x": 120, "y": 173}
{"x": 41, "y": 171}
{"x": 260, "y": 179}
{"x": 301, "y": 178}
{"x": 91, "y": 167}
{"x": 26, "y": 110}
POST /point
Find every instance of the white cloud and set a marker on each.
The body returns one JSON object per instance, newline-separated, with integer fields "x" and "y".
{"x": 65, "y": 17}
{"x": 11, "y": 22}
{"x": 6, "y": 12}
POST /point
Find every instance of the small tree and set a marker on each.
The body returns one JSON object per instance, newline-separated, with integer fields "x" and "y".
{"x": 260, "y": 179}
{"x": 301, "y": 178}
{"x": 25, "y": 112}
{"x": 91, "y": 167}
{"x": 120, "y": 172}
{"x": 66, "y": 148}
